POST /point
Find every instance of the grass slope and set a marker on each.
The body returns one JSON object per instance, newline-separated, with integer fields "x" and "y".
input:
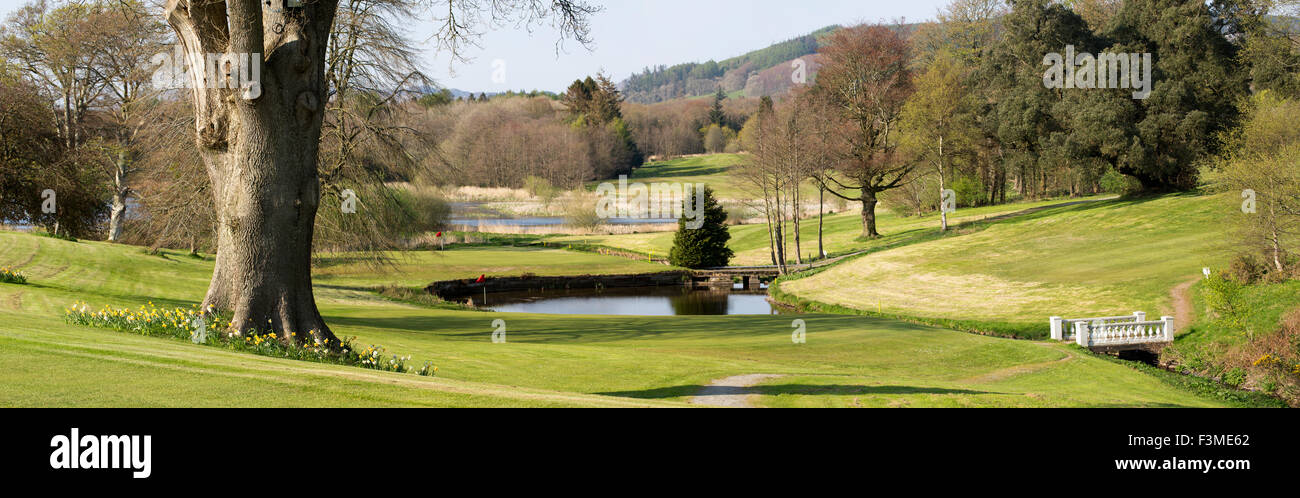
{"x": 711, "y": 170}
{"x": 841, "y": 233}
{"x": 842, "y": 230}
{"x": 1233, "y": 346}
{"x": 1098, "y": 259}
{"x": 548, "y": 361}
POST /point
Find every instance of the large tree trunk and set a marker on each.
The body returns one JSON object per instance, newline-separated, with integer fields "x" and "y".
{"x": 260, "y": 152}
{"x": 118, "y": 214}
{"x": 869, "y": 214}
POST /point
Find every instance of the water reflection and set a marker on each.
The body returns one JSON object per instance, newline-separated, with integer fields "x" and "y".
{"x": 641, "y": 301}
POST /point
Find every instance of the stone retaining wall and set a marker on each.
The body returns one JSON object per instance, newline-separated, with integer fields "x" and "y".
{"x": 453, "y": 290}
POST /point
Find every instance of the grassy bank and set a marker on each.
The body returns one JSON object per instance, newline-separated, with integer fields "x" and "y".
{"x": 842, "y": 233}
{"x": 547, "y": 360}
{"x": 1249, "y": 339}
{"x": 1097, "y": 259}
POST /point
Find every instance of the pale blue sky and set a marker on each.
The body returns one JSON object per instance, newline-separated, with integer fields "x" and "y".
{"x": 633, "y": 34}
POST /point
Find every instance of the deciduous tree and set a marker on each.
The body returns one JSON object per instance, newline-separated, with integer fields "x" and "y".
{"x": 866, "y": 79}
{"x": 261, "y": 151}
{"x": 936, "y": 124}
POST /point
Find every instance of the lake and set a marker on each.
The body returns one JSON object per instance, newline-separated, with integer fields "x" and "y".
{"x": 638, "y": 301}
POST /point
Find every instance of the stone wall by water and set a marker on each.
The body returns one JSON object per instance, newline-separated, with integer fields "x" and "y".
{"x": 453, "y": 290}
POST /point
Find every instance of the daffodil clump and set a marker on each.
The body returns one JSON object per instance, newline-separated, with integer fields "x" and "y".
{"x": 179, "y": 323}
{"x": 11, "y": 276}
{"x": 207, "y": 327}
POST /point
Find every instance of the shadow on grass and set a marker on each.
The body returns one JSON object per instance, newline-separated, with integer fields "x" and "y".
{"x": 795, "y": 389}
{"x": 1080, "y": 206}
{"x": 653, "y": 172}
{"x": 375, "y": 260}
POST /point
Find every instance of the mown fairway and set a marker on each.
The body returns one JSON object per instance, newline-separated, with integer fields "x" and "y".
{"x": 1095, "y": 259}
{"x": 842, "y": 230}
{"x": 548, "y": 361}
{"x": 711, "y": 170}
{"x": 842, "y": 233}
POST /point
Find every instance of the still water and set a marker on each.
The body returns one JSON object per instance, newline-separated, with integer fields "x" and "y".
{"x": 641, "y": 301}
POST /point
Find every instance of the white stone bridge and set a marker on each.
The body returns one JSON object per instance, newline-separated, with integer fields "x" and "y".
{"x": 1115, "y": 333}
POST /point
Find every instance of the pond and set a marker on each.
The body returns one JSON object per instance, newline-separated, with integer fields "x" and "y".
{"x": 639, "y": 301}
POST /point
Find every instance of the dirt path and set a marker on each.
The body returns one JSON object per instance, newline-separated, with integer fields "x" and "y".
{"x": 732, "y": 392}
{"x": 1184, "y": 312}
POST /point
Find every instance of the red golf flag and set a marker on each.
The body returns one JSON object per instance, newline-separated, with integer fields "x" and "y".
{"x": 481, "y": 279}
{"x": 439, "y": 235}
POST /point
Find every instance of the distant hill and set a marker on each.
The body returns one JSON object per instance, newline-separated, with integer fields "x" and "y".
{"x": 761, "y": 72}
{"x": 457, "y": 93}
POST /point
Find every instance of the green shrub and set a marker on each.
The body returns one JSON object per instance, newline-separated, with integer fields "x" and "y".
{"x": 1235, "y": 377}
{"x": 1222, "y": 295}
{"x": 421, "y": 212}
{"x": 580, "y": 212}
{"x": 1268, "y": 386}
{"x": 970, "y": 191}
{"x": 1118, "y": 183}
{"x": 1245, "y": 269}
{"x": 541, "y": 188}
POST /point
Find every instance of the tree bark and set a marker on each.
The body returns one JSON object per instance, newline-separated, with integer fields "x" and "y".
{"x": 943, "y": 211}
{"x": 798, "y": 244}
{"x": 780, "y": 231}
{"x": 260, "y": 151}
{"x": 771, "y": 236}
{"x": 869, "y": 214}
{"x": 821, "y": 209}
{"x": 1275, "y": 239}
{"x": 120, "y": 193}
{"x": 116, "y": 216}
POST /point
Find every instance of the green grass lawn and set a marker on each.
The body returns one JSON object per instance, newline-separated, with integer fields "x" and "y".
{"x": 1098, "y": 259}
{"x": 547, "y": 361}
{"x": 711, "y": 170}
{"x": 841, "y": 233}
{"x": 842, "y": 230}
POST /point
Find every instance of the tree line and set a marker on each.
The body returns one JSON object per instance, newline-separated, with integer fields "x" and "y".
{"x": 84, "y": 116}
{"x": 960, "y": 104}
